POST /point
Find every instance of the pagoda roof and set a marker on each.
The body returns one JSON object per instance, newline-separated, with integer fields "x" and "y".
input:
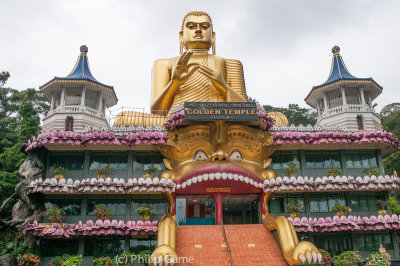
{"x": 80, "y": 74}
{"x": 339, "y": 74}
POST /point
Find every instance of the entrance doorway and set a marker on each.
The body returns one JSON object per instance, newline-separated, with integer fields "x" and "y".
{"x": 241, "y": 209}
{"x": 195, "y": 210}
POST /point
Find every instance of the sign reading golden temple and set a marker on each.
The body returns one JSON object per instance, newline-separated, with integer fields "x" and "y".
{"x": 221, "y": 111}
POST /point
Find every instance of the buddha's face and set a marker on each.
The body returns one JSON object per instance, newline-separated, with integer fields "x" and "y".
{"x": 197, "y": 32}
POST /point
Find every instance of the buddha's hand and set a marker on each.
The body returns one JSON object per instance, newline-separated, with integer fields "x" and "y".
{"x": 163, "y": 255}
{"x": 216, "y": 78}
{"x": 182, "y": 71}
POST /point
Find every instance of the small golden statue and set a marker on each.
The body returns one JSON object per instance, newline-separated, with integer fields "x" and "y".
{"x": 196, "y": 75}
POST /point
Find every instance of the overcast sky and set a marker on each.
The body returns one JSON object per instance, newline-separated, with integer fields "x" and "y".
{"x": 285, "y": 46}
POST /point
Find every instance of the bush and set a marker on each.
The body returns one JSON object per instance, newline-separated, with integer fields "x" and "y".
{"x": 28, "y": 260}
{"x": 104, "y": 261}
{"x": 393, "y": 205}
{"x": 372, "y": 171}
{"x": 73, "y": 261}
{"x": 377, "y": 259}
{"x": 348, "y": 258}
{"x": 59, "y": 259}
{"x": 291, "y": 169}
{"x": 326, "y": 257}
{"x": 334, "y": 171}
{"x": 102, "y": 213}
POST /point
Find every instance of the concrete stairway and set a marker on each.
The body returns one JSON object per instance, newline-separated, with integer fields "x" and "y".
{"x": 250, "y": 244}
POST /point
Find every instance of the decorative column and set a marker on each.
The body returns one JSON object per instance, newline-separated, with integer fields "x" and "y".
{"x": 100, "y": 105}
{"x": 362, "y": 96}
{"x": 318, "y": 109}
{"x": 326, "y": 102}
{"x": 62, "y": 97}
{"x": 83, "y": 97}
{"x": 369, "y": 101}
{"x": 218, "y": 198}
{"x": 343, "y": 96}
{"x": 52, "y": 103}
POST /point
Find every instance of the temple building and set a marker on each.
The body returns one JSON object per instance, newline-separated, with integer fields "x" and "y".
{"x": 225, "y": 180}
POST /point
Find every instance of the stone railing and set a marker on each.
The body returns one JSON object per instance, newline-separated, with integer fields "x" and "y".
{"x": 348, "y": 108}
{"x": 76, "y": 109}
{"x": 90, "y": 228}
{"x": 345, "y": 223}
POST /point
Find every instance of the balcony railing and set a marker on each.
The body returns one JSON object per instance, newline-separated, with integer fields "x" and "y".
{"x": 348, "y": 109}
{"x": 76, "y": 109}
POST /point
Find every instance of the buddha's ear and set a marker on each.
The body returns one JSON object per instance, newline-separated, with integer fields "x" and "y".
{"x": 181, "y": 42}
{"x": 213, "y": 43}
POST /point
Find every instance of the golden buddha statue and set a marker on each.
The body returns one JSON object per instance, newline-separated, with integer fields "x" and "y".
{"x": 196, "y": 75}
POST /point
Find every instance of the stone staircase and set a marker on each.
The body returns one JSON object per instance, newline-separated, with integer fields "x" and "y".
{"x": 249, "y": 244}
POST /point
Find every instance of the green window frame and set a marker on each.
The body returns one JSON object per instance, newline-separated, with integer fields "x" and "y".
{"x": 71, "y": 204}
{"x": 324, "y": 202}
{"x": 101, "y": 247}
{"x": 370, "y": 241}
{"x": 281, "y": 159}
{"x": 279, "y": 202}
{"x": 68, "y": 160}
{"x": 361, "y": 159}
{"x": 365, "y": 201}
{"x": 117, "y": 160}
{"x": 116, "y": 204}
{"x": 334, "y": 243}
{"x": 323, "y": 159}
{"x": 146, "y": 159}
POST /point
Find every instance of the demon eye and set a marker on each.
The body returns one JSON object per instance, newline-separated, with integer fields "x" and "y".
{"x": 200, "y": 156}
{"x": 236, "y": 156}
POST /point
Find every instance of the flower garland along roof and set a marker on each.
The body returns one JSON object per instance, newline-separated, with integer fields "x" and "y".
{"x": 90, "y": 228}
{"x": 345, "y": 223}
{"x": 103, "y": 137}
{"x": 160, "y": 137}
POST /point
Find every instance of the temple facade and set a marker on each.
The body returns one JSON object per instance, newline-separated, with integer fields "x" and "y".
{"x": 217, "y": 187}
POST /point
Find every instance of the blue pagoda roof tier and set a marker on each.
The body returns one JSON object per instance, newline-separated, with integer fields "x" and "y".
{"x": 339, "y": 74}
{"x": 80, "y": 74}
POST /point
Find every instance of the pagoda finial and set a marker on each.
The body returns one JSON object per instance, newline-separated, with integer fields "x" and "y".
{"x": 84, "y": 49}
{"x": 335, "y": 49}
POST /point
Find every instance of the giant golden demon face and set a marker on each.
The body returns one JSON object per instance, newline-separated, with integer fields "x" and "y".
{"x": 218, "y": 151}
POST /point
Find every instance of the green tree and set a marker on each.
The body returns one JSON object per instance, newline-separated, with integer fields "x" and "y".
{"x": 391, "y": 122}
{"x": 20, "y": 113}
{"x": 295, "y": 114}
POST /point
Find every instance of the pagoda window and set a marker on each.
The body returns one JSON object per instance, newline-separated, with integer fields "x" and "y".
{"x": 360, "y": 123}
{"x": 322, "y": 159}
{"x": 101, "y": 247}
{"x": 91, "y": 99}
{"x": 69, "y": 123}
{"x": 73, "y": 96}
{"x": 325, "y": 202}
{"x": 157, "y": 203}
{"x": 361, "y": 159}
{"x": 69, "y": 160}
{"x": 281, "y": 159}
{"x": 334, "y": 243}
{"x": 72, "y": 205}
{"x": 138, "y": 245}
{"x": 115, "y": 203}
{"x": 117, "y": 160}
{"x": 58, "y": 247}
{"x": 352, "y": 96}
{"x": 365, "y": 201}
{"x": 371, "y": 241}
{"x": 148, "y": 162}
{"x": 335, "y": 99}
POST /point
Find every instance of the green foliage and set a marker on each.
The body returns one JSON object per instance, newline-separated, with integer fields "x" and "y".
{"x": 291, "y": 169}
{"x": 334, "y": 171}
{"x": 383, "y": 203}
{"x": 20, "y": 113}
{"x": 8, "y": 242}
{"x": 144, "y": 210}
{"x": 294, "y": 207}
{"x": 348, "y": 258}
{"x": 59, "y": 259}
{"x": 377, "y": 259}
{"x": 106, "y": 261}
{"x": 55, "y": 214}
{"x": 126, "y": 258}
{"x": 391, "y": 122}
{"x": 73, "y": 261}
{"x": 28, "y": 260}
{"x": 151, "y": 169}
{"x": 57, "y": 170}
{"x": 326, "y": 257}
{"x": 295, "y": 114}
{"x": 341, "y": 208}
{"x": 102, "y": 213}
{"x": 394, "y": 206}
{"x": 144, "y": 256}
{"x": 372, "y": 171}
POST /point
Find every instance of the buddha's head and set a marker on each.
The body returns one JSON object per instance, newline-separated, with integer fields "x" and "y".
{"x": 197, "y": 31}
